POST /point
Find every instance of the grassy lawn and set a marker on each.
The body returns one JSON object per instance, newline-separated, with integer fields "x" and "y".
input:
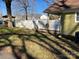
{"x": 28, "y": 44}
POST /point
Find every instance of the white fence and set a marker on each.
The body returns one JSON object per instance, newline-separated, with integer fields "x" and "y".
{"x": 39, "y": 23}
{"x": 54, "y": 25}
{"x": 25, "y": 23}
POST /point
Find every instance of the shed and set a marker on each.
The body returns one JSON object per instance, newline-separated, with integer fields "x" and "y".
{"x": 69, "y": 12}
{"x": 5, "y": 20}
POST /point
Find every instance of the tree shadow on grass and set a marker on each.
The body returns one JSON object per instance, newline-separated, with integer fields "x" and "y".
{"x": 72, "y": 44}
{"x": 70, "y": 40}
{"x": 52, "y": 50}
{"x": 69, "y": 37}
{"x": 17, "y": 52}
{"x": 24, "y": 48}
{"x": 67, "y": 50}
{"x": 13, "y": 48}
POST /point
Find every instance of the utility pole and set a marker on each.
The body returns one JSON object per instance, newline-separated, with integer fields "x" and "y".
{"x": 26, "y": 9}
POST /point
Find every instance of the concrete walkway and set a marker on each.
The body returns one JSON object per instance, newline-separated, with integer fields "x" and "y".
{"x": 6, "y": 54}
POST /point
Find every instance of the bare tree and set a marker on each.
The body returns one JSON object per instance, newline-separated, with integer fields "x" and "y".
{"x": 29, "y": 4}
{"x": 24, "y": 4}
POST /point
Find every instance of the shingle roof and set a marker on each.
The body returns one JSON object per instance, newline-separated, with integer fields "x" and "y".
{"x": 72, "y": 3}
{"x": 61, "y": 6}
{"x": 7, "y": 16}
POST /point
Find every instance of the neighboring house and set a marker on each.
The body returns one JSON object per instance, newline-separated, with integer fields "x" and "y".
{"x": 69, "y": 12}
{"x": 4, "y": 21}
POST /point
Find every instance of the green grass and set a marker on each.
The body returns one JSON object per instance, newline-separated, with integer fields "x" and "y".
{"x": 38, "y": 45}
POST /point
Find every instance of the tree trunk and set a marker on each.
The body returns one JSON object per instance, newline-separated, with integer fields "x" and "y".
{"x": 8, "y": 7}
{"x": 26, "y": 13}
{"x": 9, "y": 17}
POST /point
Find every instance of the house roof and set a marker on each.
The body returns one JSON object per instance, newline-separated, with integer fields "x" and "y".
{"x": 63, "y": 6}
{"x": 7, "y": 16}
{"x": 73, "y": 3}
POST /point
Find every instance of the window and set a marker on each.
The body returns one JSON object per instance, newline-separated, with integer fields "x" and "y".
{"x": 1, "y": 23}
{"x": 76, "y": 17}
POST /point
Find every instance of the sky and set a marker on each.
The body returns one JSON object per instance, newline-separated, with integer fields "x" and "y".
{"x": 2, "y": 8}
{"x": 39, "y": 7}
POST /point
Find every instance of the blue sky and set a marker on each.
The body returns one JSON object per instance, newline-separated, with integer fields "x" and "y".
{"x": 2, "y": 8}
{"x": 40, "y": 6}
